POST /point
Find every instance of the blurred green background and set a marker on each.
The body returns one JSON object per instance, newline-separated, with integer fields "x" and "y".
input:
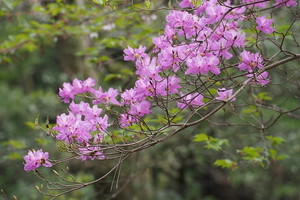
{"x": 46, "y": 43}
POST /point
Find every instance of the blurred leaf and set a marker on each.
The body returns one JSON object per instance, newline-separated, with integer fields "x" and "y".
{"x": 252, "y": 154}
{"x": 14, "y": 143}
{"x": 216, "y": 144}
{"x": 212, "y": 91}
{"x": 9, "y": 4}
{"x": 173, "y": 111}
{"x": 110, "y": 77}
{"x": 14, "y": 156}
{"x": 211, "y": 142}
{"x": 200, "y": 137}
{"x": 226, "y": 163}
{"x": 161, "y": 119}
{"x": 263, "y": 96}
{"x": 276, "y": 140}
{"x": 41, "y": 142}
{"x": 30, "y": 125}
{"x": 148, "y": 3}
{"x": 249, "y": 109}
{"x": 127, "y": 72}
{"x": 275, "y": 156}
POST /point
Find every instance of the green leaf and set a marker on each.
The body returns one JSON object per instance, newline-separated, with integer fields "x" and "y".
{"x": 263, "y": 96}
{"x": 282, "y": 28}
{"x": 41, "y": 142}
{"x": 110, "y": 77}
{"x": 275, "y": 140}
{"x": 6, "y": 59}
{"x": 30, "y": 125}
{"x": 281, "y": 157}
{"x": 173, "y": 111}
{"x": 273, "y": 153}
{"x": 200, "y": 137}
{"x": 148, "y": 3}
{"x": 126, "y": 72}
{"x": 9, "y": 4}
{"x": 196, "y": 2}
{"x": 211, "y": 142}
{"x": 161, "y": 119}
{"x": 216, "y": 144}
{"x": 252, "y": 154}
{"x": 14, "y": 156}
{"x": 275, "y": 156}
{"x": 14, "y": 144}
{"x": 249, "y": 109}
{"x": 226, "y": 163}
{"x": 213, "y": 91}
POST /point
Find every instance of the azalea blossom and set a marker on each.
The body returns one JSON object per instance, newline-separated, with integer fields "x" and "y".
{"x": 224, "y": 94}
{"x": 264, "y": 24}
{"x": 262, "y": 79}
{"x": 91, "y": 153}
{"x": 133, "y": 54}
{"x": 190, "y": 100}
{"x": 70, "y": 90}
{"x": 250, "y": 61}
{"x": 126, "y": 120}
{"x": 35, "y": 159}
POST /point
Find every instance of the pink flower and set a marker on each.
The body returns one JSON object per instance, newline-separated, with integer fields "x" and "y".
{"x": 80, "y": 108}
{"x": 186, "y": 4}
{"x": 190, "y": 100}
{"x": 235, "y": 38}
{"x": 140, "y": 108}
{"x": 126, "y": 120}
{"x": 129, "y": 96}
{"x": 102, "y": 123}
{"x": 169, "y": 85}
{"x": 92, "y": 114}
{"x": 70, "y": 90}
{"x": 203, "y": 65}
{"x": 71, "y": 128}
{"x": 83, "y": 86}
{"x": 91, "y": 153}
{"x": 35, "y": 159}
{"x": 133, "y": 54}
{"x": 67, "y": 92}
{"x": 288, "y": 3}
{"x": 65, "y": 122}
{"x": 167, "y": 58}
{"x": 250, "y": 61}
{"x": 262, "y": 79}
{"x": 108, "y": 97}
{"x": 224, "y": 94}
{"x": 98, "y": 138}
{"x": 264, "y": 24}
{"x": 215, "y": 12}
{"x": 144, "y": 87}
{"x": 160, "y": 42}
{"x": 148, "y": 68}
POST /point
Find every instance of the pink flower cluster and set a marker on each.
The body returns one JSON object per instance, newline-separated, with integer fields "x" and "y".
{"x": 70, "y": 90}
{"x": 82, "y": 120}
{"x": 194, "y": 45}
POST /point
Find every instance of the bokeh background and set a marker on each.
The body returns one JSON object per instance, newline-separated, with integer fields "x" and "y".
{"x": 44, "y": 43}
